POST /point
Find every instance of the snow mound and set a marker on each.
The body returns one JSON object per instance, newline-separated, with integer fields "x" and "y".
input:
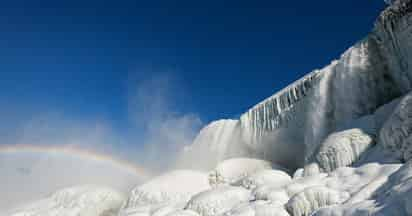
{"x": 265, "y": 177}
{"x": 174, "y": 188}
{"x": 313, "y": 198}
{"x": 76, "y": 201}
{"x": 396, "y": 133}
{"x": 218, "y": 200}
{"x": 258, "y": 208}
{"x": 233, "y": 170}
{"x": 343, "y": 148}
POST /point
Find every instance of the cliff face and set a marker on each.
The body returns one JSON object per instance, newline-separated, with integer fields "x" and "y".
{"x": 289, "y": 126}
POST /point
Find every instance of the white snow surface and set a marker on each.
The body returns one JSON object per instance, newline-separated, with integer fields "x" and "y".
{"x": 75, "y": 201}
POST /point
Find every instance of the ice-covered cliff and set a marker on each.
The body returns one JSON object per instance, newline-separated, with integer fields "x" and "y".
{"x": 289, "y": 126}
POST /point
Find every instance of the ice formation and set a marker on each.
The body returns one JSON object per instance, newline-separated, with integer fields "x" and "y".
{"x": 233, "y": 170}
{"x": 392, "y": 197}
{"x": 288, "y": 127}
{"x": 218, "y": 200}
{"x": 75, "y": 201}
{"x": 342, "y": 149}
{"x": 313, "y": 198}
{"x": 265, "y": 177}
{"x": 396, "y": 133}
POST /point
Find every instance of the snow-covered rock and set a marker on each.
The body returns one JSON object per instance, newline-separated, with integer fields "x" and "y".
{"x": 171, "y": 189}
{"x": 313, "y": 198}
{"x": 218, "y": 200}
{"x": 75, "y": 201}
{"x": 266, "y": 177}
{"x": 233, "y": 170}
{"x": 343, "y": 148}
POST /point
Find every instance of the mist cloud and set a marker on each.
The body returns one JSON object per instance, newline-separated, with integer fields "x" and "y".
{"x": 157, "y": 130}
{"x": 166, "y": 130}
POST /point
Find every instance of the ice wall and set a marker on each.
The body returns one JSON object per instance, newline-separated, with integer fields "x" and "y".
{"x": 289, "y": 126}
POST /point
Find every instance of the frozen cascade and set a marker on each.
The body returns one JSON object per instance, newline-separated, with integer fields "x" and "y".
{"x": 277, "y": 110}
{"x": 373, "y": 72}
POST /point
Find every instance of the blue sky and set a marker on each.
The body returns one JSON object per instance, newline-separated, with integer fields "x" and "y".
{"x": 86, "y": 59}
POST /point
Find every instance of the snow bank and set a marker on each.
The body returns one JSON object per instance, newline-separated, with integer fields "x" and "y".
{"x": 75, "y": 201}
{"x": 218, "y": 200}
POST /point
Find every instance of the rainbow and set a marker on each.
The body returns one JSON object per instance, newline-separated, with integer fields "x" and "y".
{"x": 132, "y": 167}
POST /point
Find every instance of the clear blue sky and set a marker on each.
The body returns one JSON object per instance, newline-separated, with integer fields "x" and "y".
{"x": 82, "y": 58}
